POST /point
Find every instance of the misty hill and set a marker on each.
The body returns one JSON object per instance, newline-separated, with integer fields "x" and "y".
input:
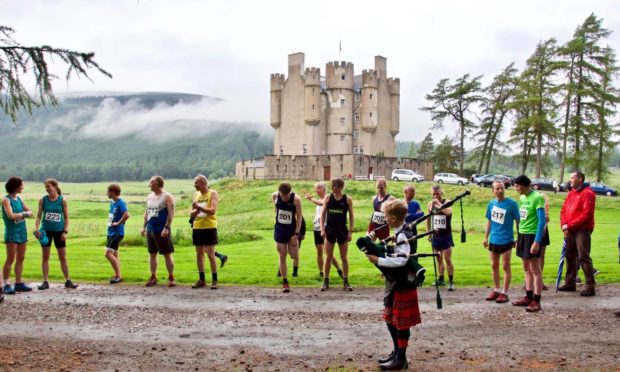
{"x": 112, "y": 136}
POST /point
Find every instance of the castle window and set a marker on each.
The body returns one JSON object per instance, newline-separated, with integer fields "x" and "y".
{"x": 361, "y": 150}
{"x": 341, "y": 138}
{"x": 357, "y": 117}
{"x": 285, "y": 168}
{"x": 370, "y": 95}
{"x": 357, "y": 97}
{"x": 342, "y": 101}
{"x": 356, "y": 134}
{"x": 313, "y": 107}
{"x": 356, "y": 150}
{"x": 277, "y": 168}
{"x": 341, "y": 167}
{"x": 305, "y": 148}
{"x": 281, "y": 150}
{"x": 312, "y": 91}
{"x": 342, "y": 77}
{"x": 342, "y": 120}
{"x": 371, "y": 114}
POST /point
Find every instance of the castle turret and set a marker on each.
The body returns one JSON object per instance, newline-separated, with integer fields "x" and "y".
{"x": 312, "y": 93}
{"x": 277, "y": 81}
{"x": 368, "y": 107}
{"x": 394, "y": 89}
{"x": 340, "y": 82}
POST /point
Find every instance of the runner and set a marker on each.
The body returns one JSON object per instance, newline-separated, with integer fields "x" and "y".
{"x": 204, "y": 229}
{"x": 14, "y": 214}
{"x": 531, "y": 230}
{"x": 545, "y": 242}
{"x": 501, "y": 212}
{"x": 320, "y": 189}
{"x": 55, "y": 213}
{"x": 401, "y": 310}
{"x": 414, "y": 211}
{"x": 441, "y": 241}
{"x": 300, "y": 239}
{"x": 116, "y": 230}
{"x": 334, "y": 230}
{"x": 377, "y": 220}
{"x": 157, "y": 227}
{"x": 287, "y": 227}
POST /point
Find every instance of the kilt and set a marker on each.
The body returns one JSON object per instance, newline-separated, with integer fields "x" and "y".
{"x": 405, "y": 311}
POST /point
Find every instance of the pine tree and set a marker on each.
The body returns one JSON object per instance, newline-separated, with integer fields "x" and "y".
{"x": 17, "y": 61}
{"x": 426, "y": 148}
{"x": 444, "y": 156}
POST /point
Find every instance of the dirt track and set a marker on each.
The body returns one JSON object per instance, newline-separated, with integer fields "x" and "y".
{"x": 131, "y": 328}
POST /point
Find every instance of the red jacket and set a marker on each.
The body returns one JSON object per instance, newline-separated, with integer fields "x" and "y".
{"x": 578, "y": 209}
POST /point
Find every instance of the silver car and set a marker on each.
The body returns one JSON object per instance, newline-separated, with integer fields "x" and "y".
{"x": 450, "y": 178}
{"x": 406, "y": 175}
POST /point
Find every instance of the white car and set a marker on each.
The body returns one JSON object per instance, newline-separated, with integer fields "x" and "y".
{"x": 406, "y": 175}
{"x": 450, "y": 178}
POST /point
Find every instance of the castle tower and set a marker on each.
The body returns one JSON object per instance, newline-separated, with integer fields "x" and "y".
{"x": 339, "y": 129}
{"x": 277, "y": 81}
{"x": 312, "y": 78}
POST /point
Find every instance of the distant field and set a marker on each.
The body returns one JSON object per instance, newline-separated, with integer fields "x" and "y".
{"x": 246, "y": 229}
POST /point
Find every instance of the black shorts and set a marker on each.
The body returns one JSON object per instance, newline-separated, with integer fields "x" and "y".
{"x": 524, "y": 244}
{"x": 204, "y": 237}
{"x": 442, "y": 242}
{"x": 336, "y": 235}
{"x": 318, "y": 239}
{"x": 114, "y": 241}
{"x": 55, "y": 236}
{"x": 545, "y": 240}
{"x": 156, "y": 244}
{"x": 282, "y": 236}
{"x": 500, "y": 248}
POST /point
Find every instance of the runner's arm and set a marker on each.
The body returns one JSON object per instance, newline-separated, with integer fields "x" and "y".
{"x": 65, "y": 212}
{"x": 298, "y": 214}
{"x": 9, "y": 210}
{"x": 351, "y": 216}
{"x": 213, "y": 207}
{"x": 37, "y": 221}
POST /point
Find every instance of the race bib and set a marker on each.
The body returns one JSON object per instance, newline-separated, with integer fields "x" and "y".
{"x": 440, "y": 222}
{"x": 317, "y": 224}
{"x": 498, "y": 215}
{"x": 110, "y": 219}
{"x": 201, "y": 213}
{"x": 152, "y": 212}
{"x": 19, "y": 221}
{"x": 285, "y": 217}
{"x": 523, "y": 214}
{"x": 52, "y": 217}
{"x": 378, "y": 218}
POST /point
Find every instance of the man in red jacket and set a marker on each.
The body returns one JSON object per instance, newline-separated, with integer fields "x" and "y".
{"x": 577, "y": 220}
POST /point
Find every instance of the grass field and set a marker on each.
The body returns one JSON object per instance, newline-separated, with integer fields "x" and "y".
{"x": 245, "y": 218}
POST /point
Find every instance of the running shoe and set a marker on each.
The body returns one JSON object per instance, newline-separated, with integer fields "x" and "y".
{"x": 325, "y": 285}
{"x": 533, "y": 307}
{"x": 116, "y": 280}
{"x": 214, "y": 285}
{"x": 151, "y": 282}
{"x": 44, "y": 285}
{"x": 223, "y": 260}
{"x": 451, "y": 287}
{"x": 523, "y": 301}
{"x": 7, "y": 289}
{"x": 22, "y": 287}
{"x": 69, "y": 284}
{"x": 199, "y": 284}
{"x": 492, "y": 296}
{"x": 171, "y": 282}
{"x": 567, "y": 288}
{"x": 578, "y": 280}
{"x": 286, "y": 288}
{"x": 346, "y": 286}
{"x": 596, "y": 272}
{"x": 438, "y": 283}
{"x": 502, "y": 298}
{"x": 588, "y": 292}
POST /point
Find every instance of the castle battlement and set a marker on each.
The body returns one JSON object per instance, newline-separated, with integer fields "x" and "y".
{"x": 312, "y": 76}
{"x": 394, "y": 86}
{"x": 277, "y": 82}
{"x": 369, "y": 79}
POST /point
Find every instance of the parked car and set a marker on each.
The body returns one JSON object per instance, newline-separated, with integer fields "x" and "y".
{"x": 488, "y": 180}
{"x": 450, "y": 178}
{"x": 600, "y": 188}
{"x": 546, "y": 184}
{"x": 406, "y": 175}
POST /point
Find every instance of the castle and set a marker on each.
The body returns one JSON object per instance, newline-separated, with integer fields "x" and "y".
{"x": 340, "y": 124}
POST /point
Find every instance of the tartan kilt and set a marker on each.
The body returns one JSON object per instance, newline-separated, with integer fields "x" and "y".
{"x": 405, "y": 311}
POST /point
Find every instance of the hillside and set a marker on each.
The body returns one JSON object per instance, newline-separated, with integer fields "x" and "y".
{"x": 111, "y": 136}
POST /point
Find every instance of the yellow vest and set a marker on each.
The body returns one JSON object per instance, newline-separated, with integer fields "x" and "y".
{"x": 203, "y": 220}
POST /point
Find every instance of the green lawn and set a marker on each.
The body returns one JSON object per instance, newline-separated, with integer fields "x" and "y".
{"x": 245, "y": 230}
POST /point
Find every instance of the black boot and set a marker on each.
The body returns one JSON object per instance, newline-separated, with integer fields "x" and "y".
{"x": 388, "y": 358}
{"x": 398, "y": 363}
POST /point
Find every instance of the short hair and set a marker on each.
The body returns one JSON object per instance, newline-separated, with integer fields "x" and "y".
{"x": 523, "y": 180}
{"x": 13, "y": 184}
{"x": 52, "y": 182}
{"x": 396, "y": 208}
{"x": 284, "y": 188}
{"x": 581, "y": 175}
{"x": 436, "y": 188}
{"x": 321, "y": 185}
{"x": 409, "y": 187}
{"x": 159, "y": 180}
{"x": 114, "y": 188}
{"x": 339, "y": 182}
{"x": 202, "y": 177}
{"x": 498, "y": 182}
{"x": 382, "y": 180}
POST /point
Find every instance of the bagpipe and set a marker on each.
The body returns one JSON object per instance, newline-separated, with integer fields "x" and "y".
{"x": 413, "y": 273}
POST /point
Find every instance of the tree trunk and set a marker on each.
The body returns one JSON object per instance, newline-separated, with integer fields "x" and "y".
{"x": 538, "y": 154}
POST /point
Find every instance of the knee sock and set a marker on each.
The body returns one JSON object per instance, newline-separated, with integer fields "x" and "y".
{"x": 403, "y": 342}
{"x": 201, "y": 275}
{"x": 219, "y": 255}
{"x": 394, "y": 334}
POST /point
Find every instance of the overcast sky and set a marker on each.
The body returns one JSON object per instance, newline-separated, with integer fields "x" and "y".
{"x": 228, "y": 48}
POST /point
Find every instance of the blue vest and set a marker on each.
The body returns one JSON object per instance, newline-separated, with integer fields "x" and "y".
{"x": 53, "y": 216}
